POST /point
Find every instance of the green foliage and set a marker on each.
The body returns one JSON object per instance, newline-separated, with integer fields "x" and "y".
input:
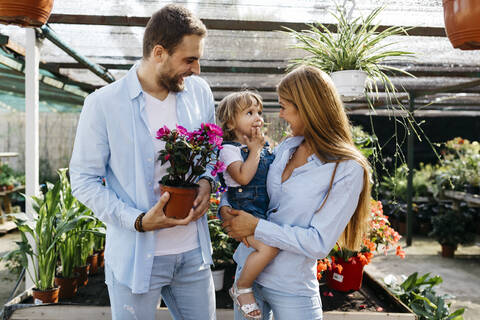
{"x": 459, "y": 166}
{"x": 9, "y": 177}
{"x": 452, "y": 227}
{"x": 364, "y": 142}
{"x": 13, "y": 262}
{"x": 71, "y": 242}
{"x": 395, "y": 186}
{"x": 61, "y": 228}
{"x": 45, "y": 231}
{"x": 418, "y": 293}
{"x": 357, "y": 45}
{"x": 223, "y": 246}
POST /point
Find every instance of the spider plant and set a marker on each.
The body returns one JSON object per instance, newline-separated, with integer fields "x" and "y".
{"x": 357, "y": 45}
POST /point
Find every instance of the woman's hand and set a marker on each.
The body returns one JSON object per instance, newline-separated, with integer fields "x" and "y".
{"x": 241, "y": 225}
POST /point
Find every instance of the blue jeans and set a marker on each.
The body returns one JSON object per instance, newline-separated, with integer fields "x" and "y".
{"x": 185, "y": 283}
{"x": 284, "y": 306}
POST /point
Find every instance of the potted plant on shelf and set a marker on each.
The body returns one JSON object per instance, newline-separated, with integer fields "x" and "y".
{"x": 45, "y": 231}
{"x": 355, "y": 51}
{"x": 345, "y": 267}
{"x": 451, "y": 228}
{"x": 85, "y": 244}
{"x": 189, "y": 154}
{"x": 70, "y": 211}
{"x": 223, "y": 246}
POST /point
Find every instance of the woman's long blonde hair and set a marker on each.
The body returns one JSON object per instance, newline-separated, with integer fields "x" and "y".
{"x": 328, "y": 133}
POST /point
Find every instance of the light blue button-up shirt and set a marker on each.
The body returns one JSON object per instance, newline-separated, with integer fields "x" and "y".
{"x": 113, "y": 141}
{"x": 302, "y": 234}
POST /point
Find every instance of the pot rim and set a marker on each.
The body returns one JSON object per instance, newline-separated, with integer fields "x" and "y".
{"x": 193, "y": 186}
{"x": 48, "y": 290}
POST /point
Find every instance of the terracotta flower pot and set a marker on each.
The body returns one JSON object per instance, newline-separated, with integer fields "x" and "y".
{"x": 101, "y": 258}
{"x": 93, "y": 261}
{"x": 181, "y": 200}
{"x": 48, "y": 296}
{"x": 68, "y": 286}
{"x": 349, "y": 279}
{"x": 462, "y": 24}
{"x": 26, "y": 13}
{"x": 82, "y": 274}
{"x": 448, "y": 251}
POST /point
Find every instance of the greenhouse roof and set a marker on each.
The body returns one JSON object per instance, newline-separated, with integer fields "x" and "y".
{"x": 243, "y": 48}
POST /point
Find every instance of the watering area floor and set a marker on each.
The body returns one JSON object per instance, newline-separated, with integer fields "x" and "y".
{"x": 461, "y": 275}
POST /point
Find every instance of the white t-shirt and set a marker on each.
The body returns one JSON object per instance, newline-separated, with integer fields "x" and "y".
{"x": 228, "y": 155}
{"x": 177, "y": 239}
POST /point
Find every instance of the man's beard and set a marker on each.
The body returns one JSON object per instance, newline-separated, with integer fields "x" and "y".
{"x": 172, "y": 84}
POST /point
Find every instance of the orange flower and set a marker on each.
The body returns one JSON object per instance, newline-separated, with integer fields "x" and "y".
{"x": 400, "y": 252}
{"x": 363, "y": 259}
{"x": 339, "y": 268}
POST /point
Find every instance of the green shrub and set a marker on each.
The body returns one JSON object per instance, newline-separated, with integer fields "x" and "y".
{"x": 418, "y": 293}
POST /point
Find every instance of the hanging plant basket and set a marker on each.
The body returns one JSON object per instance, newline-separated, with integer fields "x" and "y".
{"x": 462, "y": 23}
{"x": 25, "y": 13}
{"x": 349, "y": 83}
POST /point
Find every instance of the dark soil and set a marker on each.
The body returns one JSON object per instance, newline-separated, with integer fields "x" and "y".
{"x": 366, "y": 299}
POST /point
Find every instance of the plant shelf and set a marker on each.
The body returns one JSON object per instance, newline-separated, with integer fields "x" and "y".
{"x": 21, "y": 307}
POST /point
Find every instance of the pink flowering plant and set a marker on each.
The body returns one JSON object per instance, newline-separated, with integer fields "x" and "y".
{"x": 190, "y": 153}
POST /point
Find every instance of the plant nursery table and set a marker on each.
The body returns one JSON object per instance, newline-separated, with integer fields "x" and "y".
{"x": 472, "y": 200}
{"x": 372, "y": 302}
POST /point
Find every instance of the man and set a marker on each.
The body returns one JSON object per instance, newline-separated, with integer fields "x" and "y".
{"x": 149, "y": 254}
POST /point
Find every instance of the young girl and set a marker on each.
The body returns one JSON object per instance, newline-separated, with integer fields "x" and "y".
{"x": 247, "y": 157}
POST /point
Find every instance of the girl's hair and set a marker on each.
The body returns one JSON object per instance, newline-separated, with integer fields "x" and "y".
{"x": 328, "y": 133}
{"x": 231, "y": 106}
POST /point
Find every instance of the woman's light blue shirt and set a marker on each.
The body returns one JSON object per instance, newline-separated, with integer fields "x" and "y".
{"x": 302, "y": 234}
{"x": 113, "y": 140}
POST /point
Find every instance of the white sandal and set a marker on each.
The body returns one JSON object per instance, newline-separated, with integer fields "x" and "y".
{"x": 246, "y": 308}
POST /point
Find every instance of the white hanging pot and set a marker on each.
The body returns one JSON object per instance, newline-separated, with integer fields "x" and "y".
{"x": 349, "y": 83}
{"x": 218, "y": 276}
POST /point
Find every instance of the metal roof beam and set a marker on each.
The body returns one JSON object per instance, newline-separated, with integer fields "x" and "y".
{"x": 222, "y": 24}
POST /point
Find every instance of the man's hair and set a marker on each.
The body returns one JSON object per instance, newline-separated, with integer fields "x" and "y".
{"x": 167, "y": 27}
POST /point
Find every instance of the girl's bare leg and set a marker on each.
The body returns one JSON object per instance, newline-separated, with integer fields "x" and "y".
{"x": 254, "y": 265}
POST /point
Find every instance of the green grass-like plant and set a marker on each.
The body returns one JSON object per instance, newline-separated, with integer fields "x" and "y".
{"x": 356, "y": 45}
{"x": 45, "y": 232}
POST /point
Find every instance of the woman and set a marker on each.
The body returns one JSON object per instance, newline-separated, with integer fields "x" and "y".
{"x": 319, "y": 192}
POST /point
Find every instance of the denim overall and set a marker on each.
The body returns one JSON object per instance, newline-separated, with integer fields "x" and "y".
{"x": 252, "y": 197}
